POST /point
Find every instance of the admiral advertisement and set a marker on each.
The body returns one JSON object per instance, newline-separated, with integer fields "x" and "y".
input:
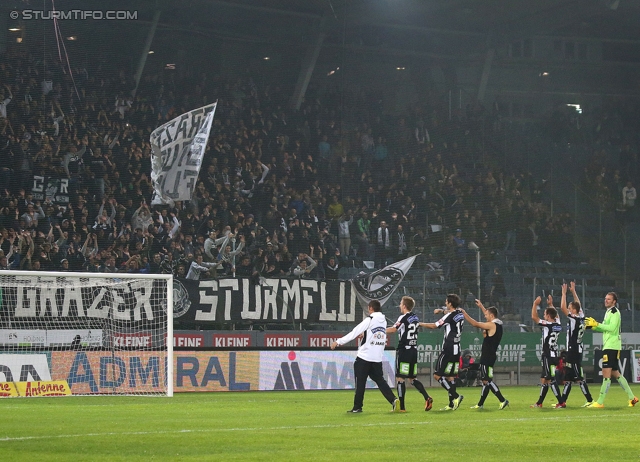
{"x": 105, "y": 372}
{"x": 195, "y": 371}
{"x": 315, "y": 370}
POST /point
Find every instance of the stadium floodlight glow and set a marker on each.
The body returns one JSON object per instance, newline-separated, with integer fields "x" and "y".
{"x": 14, "y": 29}
{"x": 577, "y": 107}
{"x": 72, "y": 38}
{"x": 87, "y": 333}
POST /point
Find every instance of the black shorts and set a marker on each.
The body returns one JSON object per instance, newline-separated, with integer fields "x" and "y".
{"x": 611, "y": 359}
{"x": 448, "y": 364}
{"x": 407, "y": 363}
{"x": 573, "y": 371}
{"x": 486, "y": 372}
{"x": 549, "y": 367}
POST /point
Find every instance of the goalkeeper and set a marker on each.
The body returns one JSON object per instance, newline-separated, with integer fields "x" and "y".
{"x": 611, "y": 346}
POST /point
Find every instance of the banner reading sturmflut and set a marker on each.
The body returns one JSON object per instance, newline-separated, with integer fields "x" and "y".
{"x": 381, "y": 284}
{"x": 178, "y": 149}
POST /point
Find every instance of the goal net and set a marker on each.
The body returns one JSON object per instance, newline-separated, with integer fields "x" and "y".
{"x": 85, "y": 334}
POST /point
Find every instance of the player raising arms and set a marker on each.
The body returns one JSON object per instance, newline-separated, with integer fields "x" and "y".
{"x": 492, "y": 333}
{"x": 407, "y": 352}
{"x": 611, "y": 346}
{"x": 573, "y": 371}
{"x": 449, "y": 358}
{"x": 551, "y": 329}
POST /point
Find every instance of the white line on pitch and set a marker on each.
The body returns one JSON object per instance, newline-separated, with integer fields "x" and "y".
{"x": 296, "y": 427}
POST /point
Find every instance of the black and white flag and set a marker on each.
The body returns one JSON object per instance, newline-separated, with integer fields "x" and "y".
{"x": 178, "y": 149}
{"x": 381, "y": 284}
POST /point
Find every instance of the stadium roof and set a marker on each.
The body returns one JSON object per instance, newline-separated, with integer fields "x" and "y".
{"x": 447, "y": 29}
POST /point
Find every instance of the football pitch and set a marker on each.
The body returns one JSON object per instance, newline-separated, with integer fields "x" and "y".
{"x": 314, "y": 425}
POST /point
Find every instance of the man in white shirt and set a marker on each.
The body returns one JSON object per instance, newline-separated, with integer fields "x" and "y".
{"x": 5, "y": 103}
{"x": 197, "y": 267}
{"x": 629, "y": 195}
{"x": 373, "y": 338}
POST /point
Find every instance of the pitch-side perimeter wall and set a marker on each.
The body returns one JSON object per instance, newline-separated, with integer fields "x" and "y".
{"x": 102, "y": 371}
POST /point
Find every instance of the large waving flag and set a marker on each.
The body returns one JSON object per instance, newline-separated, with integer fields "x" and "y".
{"x": 381, "y": 284}
{"x": 178, "y": 148}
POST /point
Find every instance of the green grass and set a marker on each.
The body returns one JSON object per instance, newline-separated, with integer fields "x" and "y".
{"x": 314, "y": 425}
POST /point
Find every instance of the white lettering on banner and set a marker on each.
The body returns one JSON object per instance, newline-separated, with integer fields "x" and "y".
{"x": 426, "y": 354}
{"x": 211, "y": 300}
{"x": 26, "y": 293}
{"x": 343, "y": 315}
{"x": 324, "y": 316}
{"x": 188, "y": 340}
{"x": 307, "y": 297}
{"x": 231, "y": 284}
{"x": 321, "y": 342}
{"x": 132, "y": 340}
{"x": 143, "y": 300}
{"x": 271, "y": 298}
{"x": 274, "y": 299}
{"x": 178, "y": 149}
{"x": 247, "y": 312}
{"x": 48, "y": 297}
{"x": 72, "y": 294}
{"x": 283, "y": 341}
{"x": 40, "y": 297}
{"x": 230, "y": 341}
{"x": 290, "y": 291}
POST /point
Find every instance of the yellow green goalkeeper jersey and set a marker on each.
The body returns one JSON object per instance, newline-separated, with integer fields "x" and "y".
{"x": 610, "y": 328}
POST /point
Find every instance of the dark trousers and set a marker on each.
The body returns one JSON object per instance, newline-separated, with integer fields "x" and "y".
{"x": 362, "y": 370}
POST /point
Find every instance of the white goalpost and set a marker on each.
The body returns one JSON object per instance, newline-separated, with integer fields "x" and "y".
{"x": 67, "y": 333}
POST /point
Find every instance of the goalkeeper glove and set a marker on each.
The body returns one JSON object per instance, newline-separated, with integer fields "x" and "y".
{"x": 590, "y": 323}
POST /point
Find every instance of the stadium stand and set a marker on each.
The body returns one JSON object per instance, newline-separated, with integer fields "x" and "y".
{"x": 282, "y": 185}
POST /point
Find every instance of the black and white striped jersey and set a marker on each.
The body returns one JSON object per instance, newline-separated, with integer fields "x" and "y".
{"x": 452, "y": 323}
{"x": 407, "y": 327}
{"x": 550, "y": 333}
{"x": 575, "y": 331}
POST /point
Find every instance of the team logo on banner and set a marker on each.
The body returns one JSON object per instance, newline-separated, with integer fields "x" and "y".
{"x": 380, "y": 284}
{"x": 181, "y": 302}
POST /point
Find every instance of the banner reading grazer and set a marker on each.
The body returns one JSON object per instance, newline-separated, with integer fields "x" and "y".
{"x": 283, "y": 300}
{"x": 178, "y": 149}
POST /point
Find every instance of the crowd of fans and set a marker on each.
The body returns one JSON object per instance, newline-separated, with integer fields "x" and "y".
{"x": 281, "y": 191}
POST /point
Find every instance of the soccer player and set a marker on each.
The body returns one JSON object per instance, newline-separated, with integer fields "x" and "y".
{"x": 551, "y": 329}
{"x": 449, "y": 358}
{"x": 492, "y": 333}
{"x": 368, "y": 362}
{"x": 611, "y": 346}
{"x": 573, "y": 371}
{"x": 407, "y": 352}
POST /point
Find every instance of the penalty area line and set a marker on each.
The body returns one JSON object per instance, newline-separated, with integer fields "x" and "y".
{"x": 289, "y": 427}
